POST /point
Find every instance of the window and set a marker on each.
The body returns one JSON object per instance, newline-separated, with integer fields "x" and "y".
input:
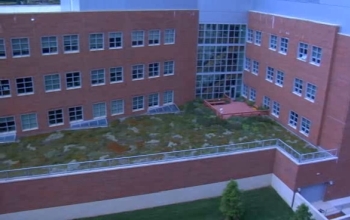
{"x": 302, "y": 51}
{"x": 266, "y": 102}
{"x": 20, "y": 47}
{"x": 258, "y": 36}
{"x": 115, "y": 40}
{"x": 245, "y": 90}
{"x": 29, "y": 122}
{"x": 279, "y": 78}
{"x": 169, "y": 68}
{"x": 137, "y": 103}
{"x": 117, "y": 107}
{"x": 311, "y": 90}
{"x": 293, "y": 119}
{"x": 98, "y": 77}
{"x": 153, "y": 70}
{"x": 96, "y": 41}
{"x": 247, "y": 64}
{"x": 276, "y": 109}
{"x": 52, "y": 82}
{"x": 49, "y": 45}
{"x": 137, "y": 38}
{"x": 284, "y": 45}
{"x": 55, "y": 117}
{"x": 305, "y": 126}
{"x": 298, "y": 86}
{"x": 252, "y": 94}
{"x": 73, "y": 80}
{"x": 273, "y": 42}
{"x": 250, "y": 35}
{"x": 153, "y": 100}
{"x": 255, "y": 69}
{"x": 5, "y": 88}
{"x": 7, "y": 124}
{"x": 168, "y": 97}
{"x": 316, "y": 55}
{"x": 169, "y": 36}
{"x": 154, "y": 37}
{"x": 75, "y": 113}
{"x": 71, "y": 43}
{"x": 25, "y": 85}
{"x": 137, "y": 72}
{"x": 2, "y": 49}
{"x": 116, "y": 74}
{"x": 99, "y": 110}
{"x": 269, "y": 74}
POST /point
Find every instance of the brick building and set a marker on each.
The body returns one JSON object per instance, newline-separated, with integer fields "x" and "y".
{"x": 87, "y": 61}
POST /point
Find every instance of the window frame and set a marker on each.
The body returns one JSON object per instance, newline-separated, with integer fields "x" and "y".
{"x": 151, "y": 98}
{"x": 55, "y": 119}
{"x": 138, "y": 102}
{"x": 137, "y": 33}
{"x": 59, "y": 82}
{"x": 104, "y": 110}
{"x": 115, "y": 38}
{"x": 279, "y": 80}
{"x": 2, "y": 90}
{"x": 255, "y": 67}
{"x": 75, "y": 111}
{"x": 305, "y": 129}
{"x": 71, "y": 45}
{"x": 270, "y": 73}
{"x": 318, "y": 55}
{"x": 97, "y": 73}
{"x": 266, "y": 102}
{"x": 95, "y": 43}
{"x": 116, "y": 102}
{"x": 247, "y": 64}
{"x": 309, "y": 93}
{"x": 166, "y": 65}
{"x": 284, "y": 46}
{"x": 293, "y": 119}
{"x": 250, "y": 35}
{"x": 157, "y": 67}
{"x": 8, "y": 128}
{"x": 3, "y": 45}
{"x": 258, "y": 38}
{"x": 276, "y": 109}
{"x": 172, "y": 36}
{"x": 166, "y": 96}
{"x": 116, "y": 74}
{"x": 252, "y": 94}
{"x": 49, "y": 43}
{"x": 151, "y": 35}
{"x": 25, "y": 88}
{"x": 298, "y": 87}
{"x": 32, "y": 128}
{"x": 73, "y": 82}
{"x": 137, "y": 74}
{"x": 21, "y": 55}
{"x": 301, "y": 51}
{"x": 273, "y": 42}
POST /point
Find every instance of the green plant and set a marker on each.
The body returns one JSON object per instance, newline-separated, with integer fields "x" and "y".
{"x": 250, "y": 103}
{"x": 263, "y": 108}
{"x": 240, "y": 99}
{"x": 231, "y": 204}
{"x": 302, "y": 213}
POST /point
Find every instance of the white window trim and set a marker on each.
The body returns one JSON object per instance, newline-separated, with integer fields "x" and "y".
{"x": 143, "y": 77}
{"x": 53, "y": 90}
{"x": 143, "y": 104}
{"x": 74, "y": 51}
{"x": 172, "y": 98}
{"x": 154, "y": 106}
{"x": 82, "y": 114}
{"x": 273, "y": 76}
{"x": 7, "y": 96}
{"x": 174, "y": 36}
{"x": 280, "y": 46}
{"x": 48, "y": 54}
{"x": 289, "y": 124}
{"x": 24, "y": 94}
{"x": 310, "y": 57}
{"x": 307, "y": 55}
{"x": 20, "y": 56}
{"x": 255, "y": 38}
{"x": 48, "y": 118}
{"x": 5, "y": 57}
{"x": 247, "y": 40}
{"x": 30, "y": 129}
{"x": 121, "y": 113}
{"x": 276, "y": 83}
{"x": 160, "y": 37}
{"x": 103, "y": 42}
{"x": 294, "y": 92}
{"x": 159, "y": 72}
{"x": 74, "y": 87}
{"x": 172, "y": 74}
{"x": 301, "y": 124}
{"x": 104, "y": 77}
{"x": 116, "y": 82}
{"x": 143, "y": 40}
{"x": 273, "y": 49}
{"x": 99, "y": 117}
{"x": 272, "y": 109}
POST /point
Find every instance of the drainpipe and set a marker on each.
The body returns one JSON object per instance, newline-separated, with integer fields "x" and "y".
{"x": 295, "y": 191}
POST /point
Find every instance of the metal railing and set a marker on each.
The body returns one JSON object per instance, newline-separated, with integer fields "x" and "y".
{"x": 161, "y": 157}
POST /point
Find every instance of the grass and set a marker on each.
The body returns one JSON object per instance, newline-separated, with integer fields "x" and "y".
{"x": 260, "y": 204}
{"x": 196, "y": 127}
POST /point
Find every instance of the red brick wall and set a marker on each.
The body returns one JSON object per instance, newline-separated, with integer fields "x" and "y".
{"x": 59, "y": 191}
{"x": 295, "y": 30}
{"x": 183, "y": 52}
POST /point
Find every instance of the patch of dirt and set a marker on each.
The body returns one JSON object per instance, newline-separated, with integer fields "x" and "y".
{"x": 117, "y": 148}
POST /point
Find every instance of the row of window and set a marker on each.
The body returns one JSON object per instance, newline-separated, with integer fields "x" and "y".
{"x": 278, "y": 76}
{"x": 52, "y": 82}
{"x": 71, "y": 43}
{"x": 281, "y": 44}
{"x": 275, "y": 107}
{"x": 75, "y": 114}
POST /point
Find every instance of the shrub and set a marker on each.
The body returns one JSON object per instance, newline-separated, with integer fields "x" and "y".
{"x": 302, "y": 213}
{"x": 231, "y": 204}
{"x": 250, "y": 103}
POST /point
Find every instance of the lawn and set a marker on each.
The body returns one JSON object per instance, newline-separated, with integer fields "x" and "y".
{"x": 260, "y": 204}
{"x": 195, "y": 127}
